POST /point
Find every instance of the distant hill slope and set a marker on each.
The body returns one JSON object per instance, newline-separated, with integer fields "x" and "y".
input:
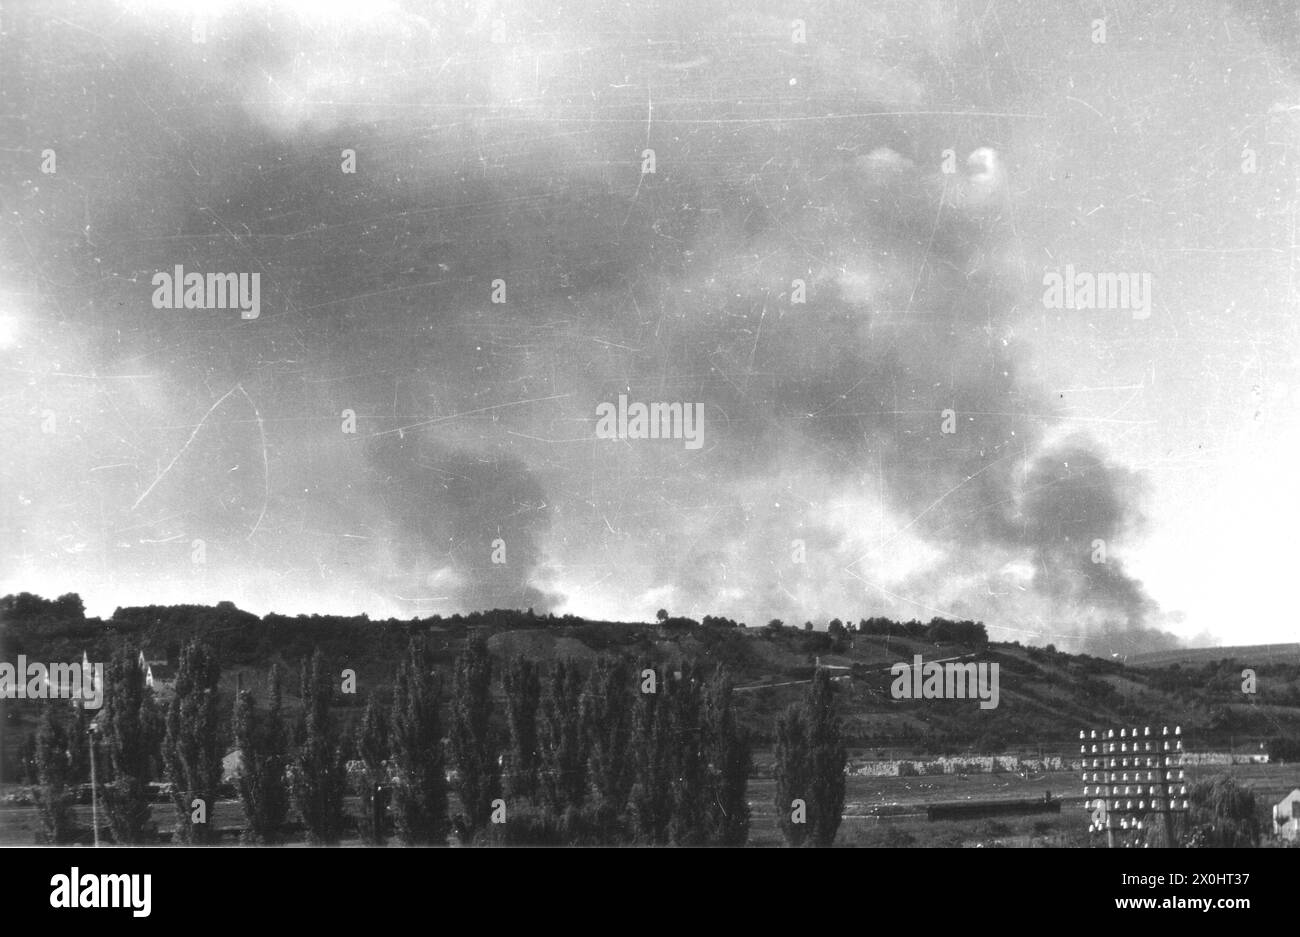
{"x": 1289, "y": 653}
{"x": 1045, "y": 697}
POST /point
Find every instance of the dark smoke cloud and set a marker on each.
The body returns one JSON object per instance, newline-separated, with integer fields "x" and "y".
{"x": 453, "y": 511}
{"x": 1075, "y": 505}
{"x": 521, "y": 162}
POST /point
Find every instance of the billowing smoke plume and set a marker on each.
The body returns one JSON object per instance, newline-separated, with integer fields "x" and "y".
{"x": 826, "y": 261}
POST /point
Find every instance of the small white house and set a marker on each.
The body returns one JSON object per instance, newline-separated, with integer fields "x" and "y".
{"x": 232, "y": 766}
{"x": 1286, "y": 817}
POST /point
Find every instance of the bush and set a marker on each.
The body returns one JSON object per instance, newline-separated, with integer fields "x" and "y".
{"x": 527, "y": 825}
{"x": 590, "y": 825}
{"x": 1281, "y": 748}
{"x": 994, "y": 829}
{"x": 1223, "y": 815}
{"x": 895, "y": 838}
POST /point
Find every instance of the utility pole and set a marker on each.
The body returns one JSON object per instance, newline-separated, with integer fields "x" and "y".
{"x": 94, "y": 785}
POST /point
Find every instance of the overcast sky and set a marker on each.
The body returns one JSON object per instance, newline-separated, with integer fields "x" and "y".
{"x": 917, "y": 166}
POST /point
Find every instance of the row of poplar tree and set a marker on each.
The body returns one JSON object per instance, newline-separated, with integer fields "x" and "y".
{"x": 624, "y": 754}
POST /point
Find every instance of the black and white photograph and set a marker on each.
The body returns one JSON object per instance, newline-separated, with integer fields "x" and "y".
{"x": 589, "y": 424}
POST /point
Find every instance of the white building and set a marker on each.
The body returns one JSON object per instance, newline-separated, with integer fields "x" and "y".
{"x": 1286, "y": 817}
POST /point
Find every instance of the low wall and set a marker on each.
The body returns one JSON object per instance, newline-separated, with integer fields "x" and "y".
{"x": 1222, "y": 758}
{"x": 972, "y": 764}
{"x": 994, "y": 764}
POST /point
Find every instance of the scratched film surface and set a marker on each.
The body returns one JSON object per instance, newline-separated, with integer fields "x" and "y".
{"x": 754, "y": 311}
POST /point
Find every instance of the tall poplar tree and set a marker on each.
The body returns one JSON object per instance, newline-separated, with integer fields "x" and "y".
{"x": 791, "y": 768}
{"x": 652, "y": 744}
{"x": 473, "y": 740}
{"x": 261, "y": 739}
{"x": 320, "y": 779}
{"x": 607, "y": 713}
{"x": 372, "y": 748}
{"x": 194, "y": 743}
{"x": 54, "y": 796}
{"x": 419, "y": 764}
{"x": 131, "y": 730}
{"x": 523, "y": 690}
{"x": 727, "y": 751}
{"x": 564, "y": 741}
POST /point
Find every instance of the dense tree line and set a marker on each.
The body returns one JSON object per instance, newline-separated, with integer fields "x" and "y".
{"x": 614, "y": 751}
{"x": 606, "y": 754}
{"x": 938, "y": 630}
{"x": 626, "y": 753}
